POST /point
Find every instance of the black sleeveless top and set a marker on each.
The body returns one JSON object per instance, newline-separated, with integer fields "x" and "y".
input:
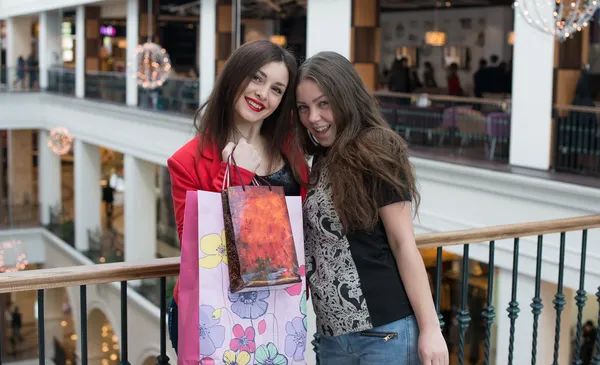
{"x": 285, "y": 178}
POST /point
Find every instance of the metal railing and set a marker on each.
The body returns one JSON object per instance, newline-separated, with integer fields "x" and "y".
{"x": 84, "y": 276}
{"x": 178, "y": 95}
{"x": 473, "y": 128}
{"x": 19, "y": 79}
{"x": 577, "y": 139}
{"x": 107, "y": 86}
{"x": 61, "y": 80}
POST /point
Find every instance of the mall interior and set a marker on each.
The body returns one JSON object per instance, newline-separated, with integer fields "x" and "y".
{"x": 501, "y": 112}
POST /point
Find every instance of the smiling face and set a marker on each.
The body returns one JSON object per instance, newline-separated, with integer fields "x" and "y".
{"x": 315, "y": 112}
{"x": 263, "y": 94}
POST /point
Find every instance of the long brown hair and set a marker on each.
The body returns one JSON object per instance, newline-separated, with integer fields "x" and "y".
{"x": 214, "y": 120}
{"x": 367, "y": 157}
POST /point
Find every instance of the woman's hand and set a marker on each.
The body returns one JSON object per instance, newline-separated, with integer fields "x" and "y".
{"x": 432, "y": 347}
{"x": 245, "y": 156}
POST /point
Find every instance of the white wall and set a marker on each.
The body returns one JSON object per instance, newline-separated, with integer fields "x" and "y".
{"x": 483, "y": 30}
{"x": 9, "y": 8}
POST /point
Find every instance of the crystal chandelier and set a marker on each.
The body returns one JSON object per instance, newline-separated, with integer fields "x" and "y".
{"x": 568, "y": 16}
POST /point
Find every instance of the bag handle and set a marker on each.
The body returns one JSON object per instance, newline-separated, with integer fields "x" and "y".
{"x": 226, "y": 178}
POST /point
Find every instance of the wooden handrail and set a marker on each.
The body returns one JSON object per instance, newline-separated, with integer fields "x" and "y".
{"x": 577, "y": 108}
{"x": 495, "y": 233}
{"x": 107, "y": 273}
{"x": 87, "y": 275}
{"x": 438, "y": 97}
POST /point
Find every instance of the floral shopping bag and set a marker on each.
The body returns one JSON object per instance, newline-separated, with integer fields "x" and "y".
{"x": 263, "y": 327}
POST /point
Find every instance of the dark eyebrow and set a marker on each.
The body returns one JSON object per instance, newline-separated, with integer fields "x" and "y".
{"x": 277, "y": 83}
{"x": 318, "y": 97}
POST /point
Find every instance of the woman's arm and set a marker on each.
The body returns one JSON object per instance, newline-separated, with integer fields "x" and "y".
{"x": 397, "y": 221}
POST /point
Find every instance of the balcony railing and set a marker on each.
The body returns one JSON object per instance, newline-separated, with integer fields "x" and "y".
{"x": 84, "y": 276}
{"x": 108, "y": 86}
{"x": 61, "y": 80}
{"x": 19, "y": 79}
{"x": 472, "y": 128}
{"x": 577, "y": 139}
{"x": 24, "y": 215}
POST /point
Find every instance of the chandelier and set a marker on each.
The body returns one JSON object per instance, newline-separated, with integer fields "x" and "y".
{"x": 568, "y": 16}
{"x": 60, "y": 141}
{"x": 435, "y": 38}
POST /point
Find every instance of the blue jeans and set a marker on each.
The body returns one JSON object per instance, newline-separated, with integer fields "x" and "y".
{"x": 394, "y": 343}
{"x": 172, "y": 323}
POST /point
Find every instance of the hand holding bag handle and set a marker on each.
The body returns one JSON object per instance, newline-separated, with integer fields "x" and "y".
{"x": 226, "y": 178}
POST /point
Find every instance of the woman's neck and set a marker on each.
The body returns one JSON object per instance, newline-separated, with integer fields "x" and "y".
{"x": 249, "y": 131}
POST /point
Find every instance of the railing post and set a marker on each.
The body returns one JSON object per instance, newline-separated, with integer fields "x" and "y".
{"x": 83, "y": 318}
{"x": 488, "y": 312}
{"x": 513, "y": 305}
{"x": 559, "y": 298}
{"x": 124, "y": 360}
{"x": 580, "y": 299}
{"x": 463, "y": 316}
{"x": 438, "y": 285}
{"x": 596, "y": 360}
{"x": 536, "y": 304}
{"x": 163, "y": 359}
{"x": 41, "y": 339}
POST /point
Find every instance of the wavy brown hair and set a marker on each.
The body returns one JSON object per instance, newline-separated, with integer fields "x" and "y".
{"x": 368, "y": 157}
{"x": 215, "y": 118}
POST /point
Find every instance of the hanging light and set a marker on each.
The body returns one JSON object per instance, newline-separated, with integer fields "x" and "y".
{"x": 12, "y": 251}
{"x": 568, "y": 16}
{"x": 60, "y": 141}
{"x": 511, "y": 38}
{"x": 279, "y": 40}
{"x": 435, "y": 38}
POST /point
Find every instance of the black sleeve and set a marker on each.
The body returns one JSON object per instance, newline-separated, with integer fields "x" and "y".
{"x": 390, "y": 195}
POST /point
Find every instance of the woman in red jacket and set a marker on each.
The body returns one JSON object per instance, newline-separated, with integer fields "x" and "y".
{"x": 248, "y": 112}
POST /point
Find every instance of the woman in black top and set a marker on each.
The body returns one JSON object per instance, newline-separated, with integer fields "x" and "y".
{"x": 368, "y": 283}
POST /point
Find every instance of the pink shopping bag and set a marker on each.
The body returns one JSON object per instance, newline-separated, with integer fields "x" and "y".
{"x": 265, "y": 326}
{"x": 187, "y": 347}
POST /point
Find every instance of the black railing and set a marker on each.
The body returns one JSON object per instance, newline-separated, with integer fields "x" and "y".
{"x": 40, "y": 280}
{"x": 61, "y": 80}
{"x": 107, "y": 86}
{"x": 464, "y": 315}
{"x": 178, "y": 95}
{"x": 472, "y": 128}
{"x": 577, "y": 139}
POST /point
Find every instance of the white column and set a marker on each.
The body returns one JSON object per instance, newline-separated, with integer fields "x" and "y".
{"x": 531, "y": 110}
{"x": 80, "y": 51}
{"x": 18, "y": 44}
{"x": 524, "y": 322}
{"x": 328, "y": 26}
{"x": 49, "y": 46}
{"x": 49, "y": 178}
{"x": 208, "y": 26}
{"x": 133, "y": 32}
{"x": 87, "y": 192}
{"x": 140, "y": 209}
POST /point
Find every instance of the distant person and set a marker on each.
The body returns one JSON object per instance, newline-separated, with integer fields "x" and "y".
{"x": 429, "y": 76}
{"x": 454, "y": 87}
{"x": 17, "y": 323}
{"x": 480, "y": 79}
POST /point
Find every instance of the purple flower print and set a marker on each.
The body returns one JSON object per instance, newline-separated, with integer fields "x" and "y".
{"x": 212, "y": 335}
{"x": 295, "y": 341}
{"x": 250, "y": 304}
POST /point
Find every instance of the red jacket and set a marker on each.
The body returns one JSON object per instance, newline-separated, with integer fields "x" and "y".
{"x": 192, "y": 170}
